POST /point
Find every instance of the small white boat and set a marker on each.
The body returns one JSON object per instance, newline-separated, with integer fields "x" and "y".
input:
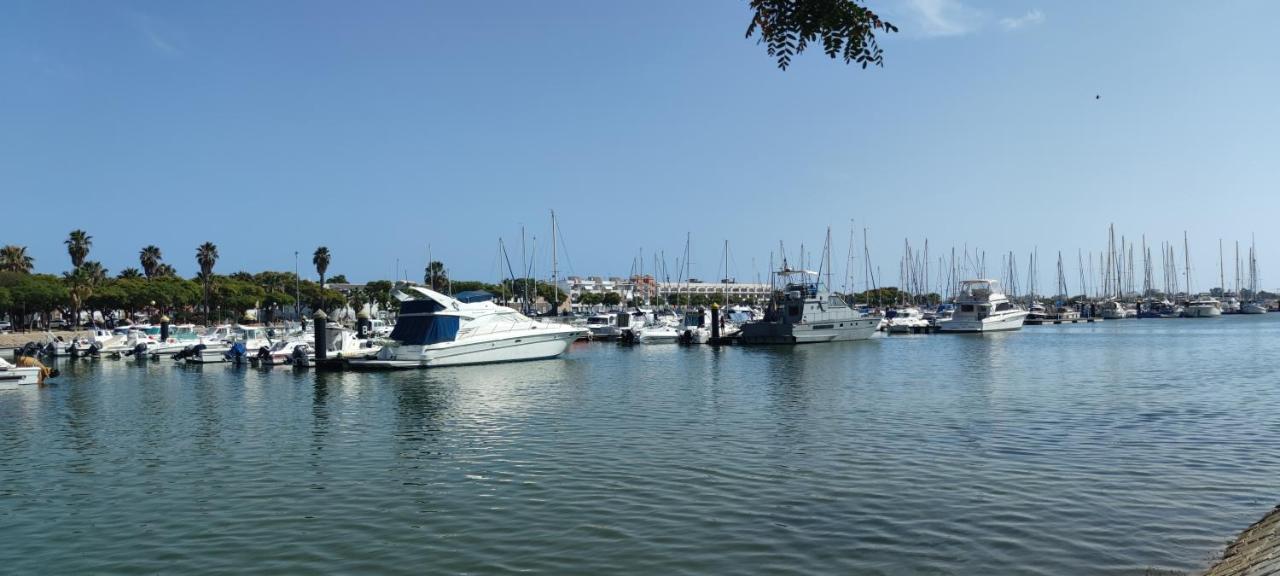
{"x": 604, "y": 326}
{"x": 905, "y": 320}
{"x": 981, "y": 307}
{"x": 12, "y": 377}
{"x": 657, "y": 334}
{"x": 1253, "y": 307}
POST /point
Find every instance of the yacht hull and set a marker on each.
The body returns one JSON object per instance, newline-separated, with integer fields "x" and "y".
{"x": 779, "y": 333}
{"x": 1201, "y": 312}
{"x": 1006, "y": 323}
{"x": 13, "y": 377}
{"x": 1252, "y": 308}
{"x": 526, "y": 347}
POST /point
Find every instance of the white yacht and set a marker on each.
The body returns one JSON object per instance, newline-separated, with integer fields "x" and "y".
{"x": 1112, "y": 310}
{"x": 1202, "y": 308}
{"x": 806, "y": 314}
{"x": 905, "y": 320}
{"x": 981, "y": 307}
{"x": 11, "y": 377}
{"x": 604, "y": 326}
{"x": 657, "y": 333}
{"x": 437, "y": 330}
{"x": 1253, "y": 307}
{"x": 346, "y": 343}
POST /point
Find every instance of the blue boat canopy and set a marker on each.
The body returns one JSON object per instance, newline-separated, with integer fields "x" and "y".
{"x": 419, "y": 325}
{"x": 473, "y": 296}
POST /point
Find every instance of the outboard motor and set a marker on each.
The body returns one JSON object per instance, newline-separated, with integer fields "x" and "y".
{"x": 139, "y": 350}
{"x": 236, "y": 354}
{"x": 189, "y": 352}
{"x": 95, "y": 349}
{"x": 300, "y": 356}
{"x": 263, "y": 354}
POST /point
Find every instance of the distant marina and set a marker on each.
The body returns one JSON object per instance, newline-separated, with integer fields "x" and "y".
{"x": 792, "y": 337}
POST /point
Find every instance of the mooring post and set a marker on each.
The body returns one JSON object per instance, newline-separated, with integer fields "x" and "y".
{"x": 715, "y": 323}
{"x": 322, "y": 347}
{"x": 164, "y": 328}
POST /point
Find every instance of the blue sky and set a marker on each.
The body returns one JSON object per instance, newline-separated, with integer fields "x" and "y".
{"x": 378, "y": 129}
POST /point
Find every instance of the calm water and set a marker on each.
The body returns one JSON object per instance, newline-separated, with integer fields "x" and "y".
{"x": 1101, "y": 449}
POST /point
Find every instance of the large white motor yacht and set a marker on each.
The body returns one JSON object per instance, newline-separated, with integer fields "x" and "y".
{"x": 981, "y": 307}
{"x": 1202, "y": 308}
{"x": 437, "y": 330}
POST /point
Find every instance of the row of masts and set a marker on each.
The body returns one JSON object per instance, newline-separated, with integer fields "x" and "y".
{"x": 1125, "y": 270}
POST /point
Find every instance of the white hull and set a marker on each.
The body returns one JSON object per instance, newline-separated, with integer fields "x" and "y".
{"x": 209, "y": 356}
{"x": 1002, "y": 323}
{"x": 1201, "y": 312}
{"x": 11, "y": 378}
{"x": 1253, "y": 308}
{"x": 514, "y": 349}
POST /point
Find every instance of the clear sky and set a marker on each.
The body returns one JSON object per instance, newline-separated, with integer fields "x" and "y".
{"x": 379, "y": 128}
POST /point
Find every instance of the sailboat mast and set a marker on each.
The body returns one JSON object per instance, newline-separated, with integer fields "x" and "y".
{"x": 555, "y": 269}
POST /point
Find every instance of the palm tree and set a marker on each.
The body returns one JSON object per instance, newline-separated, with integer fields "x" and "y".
{"x": 149, "y": 257}
{"x": 13, "y": 258}
{"x": 321, "y": 260}
{"x": 94, "y": 272}
{"x": 435, "y": 276}
{"x": 78, "y": 244}
{"x": 129, "y": 273}
{"x": 206, "y": 257}
{"x": 164, "y": 271}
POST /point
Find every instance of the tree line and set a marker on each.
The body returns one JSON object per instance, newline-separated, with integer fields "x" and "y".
{"x": 154, "y": 288}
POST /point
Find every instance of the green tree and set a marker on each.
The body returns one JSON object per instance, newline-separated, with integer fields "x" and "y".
{"x": 611, "y": 299}
{"x": 321, "y": 260}
{"x": 164, "y": 271}
{"x": 34, "y": 294}
{"x": 149, "y": 257}
{"x": 206, "y": 257}
{"x": 78, "y": 244}
{"x": 845, "y": 29}
{"x": 435, "y": 276}
{"x": 130, "y": 272}
{"x": 14, "y": 258}
{"x": 379, "y": 292}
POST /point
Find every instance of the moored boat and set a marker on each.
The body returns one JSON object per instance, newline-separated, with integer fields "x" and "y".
{"x": 438, "y": 330}
{"x": 982, "y": 307}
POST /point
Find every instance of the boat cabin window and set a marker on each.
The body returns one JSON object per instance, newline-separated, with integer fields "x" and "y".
{"x": 966, "y": 307}
{"x": 1003, "y": 306}
{"x": 793, "y": 310}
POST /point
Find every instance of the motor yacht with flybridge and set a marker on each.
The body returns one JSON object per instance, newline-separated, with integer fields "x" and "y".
{"x": 806, "y": 311}
{"x": 982, "y": 307}
{"x": 469, "y": 328}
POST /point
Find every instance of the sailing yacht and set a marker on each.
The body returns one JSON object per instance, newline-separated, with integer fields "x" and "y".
{"x": 981, "y": 307}
{"x": 1254, "y": 305}
{"x": 437, "y": 330}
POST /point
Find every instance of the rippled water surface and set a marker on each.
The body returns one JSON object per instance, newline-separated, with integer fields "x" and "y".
{"x": 1093, "y": 449}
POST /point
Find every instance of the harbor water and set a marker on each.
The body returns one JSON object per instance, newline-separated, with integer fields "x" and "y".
{"x": 1108, "y": 448}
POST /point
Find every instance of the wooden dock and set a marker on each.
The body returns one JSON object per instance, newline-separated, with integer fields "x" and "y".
{"x": 1255, "y": 552}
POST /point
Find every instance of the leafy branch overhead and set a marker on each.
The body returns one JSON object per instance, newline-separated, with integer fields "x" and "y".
{"x": 846, "y": 30}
